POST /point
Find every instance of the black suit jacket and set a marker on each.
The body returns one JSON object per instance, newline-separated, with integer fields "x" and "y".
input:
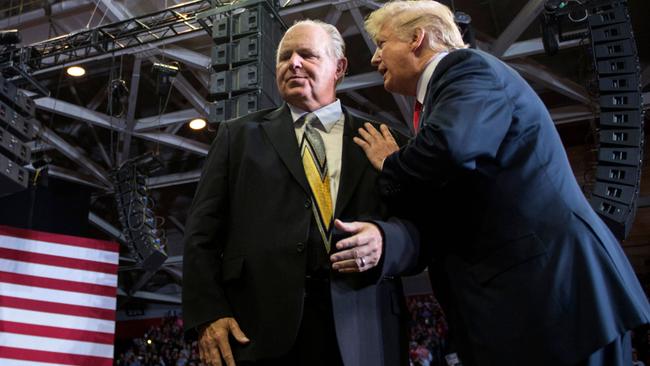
{"x": 527, "y": 270}
{"x": 245, "y": 245}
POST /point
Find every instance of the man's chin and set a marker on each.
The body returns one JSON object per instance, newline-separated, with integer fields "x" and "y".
{"x": 393, "y": 87}
{"x": 295, "y": 99}
{"x": 389, "y": 86}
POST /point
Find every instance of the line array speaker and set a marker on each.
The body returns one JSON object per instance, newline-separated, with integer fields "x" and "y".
{"x": 620, "y": 135}
{"x": 17, "y": 125}
{"x": 242, "y": 79}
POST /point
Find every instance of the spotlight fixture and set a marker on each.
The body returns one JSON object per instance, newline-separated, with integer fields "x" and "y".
{"x": 166, "y": 69}
{"x": 197, "y": 124}
{"x": 76, "y": 71}
{"x": 9, "y": 37}
{"x": 165, "y": 73}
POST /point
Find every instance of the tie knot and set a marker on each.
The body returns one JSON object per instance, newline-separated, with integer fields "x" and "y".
{"x": 311, "y": 120}
{"x": 418, "y": 106}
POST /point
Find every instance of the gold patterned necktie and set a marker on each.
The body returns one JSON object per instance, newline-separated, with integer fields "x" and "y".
{"x": 314, "y": 160}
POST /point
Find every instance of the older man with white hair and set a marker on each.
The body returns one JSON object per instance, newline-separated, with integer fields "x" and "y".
{"x": 258, "y": 284}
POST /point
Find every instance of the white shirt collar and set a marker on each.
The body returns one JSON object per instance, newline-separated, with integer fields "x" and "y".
{"x": 327, "y": 115}
{"x": 423, "y": 82}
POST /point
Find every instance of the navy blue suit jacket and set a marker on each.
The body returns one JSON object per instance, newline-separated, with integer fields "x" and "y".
{"x": 529, "y": 272}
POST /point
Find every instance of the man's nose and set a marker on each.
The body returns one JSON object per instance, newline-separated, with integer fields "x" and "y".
{"x": 295, "y": 60}
{"x": 376, "y": 58}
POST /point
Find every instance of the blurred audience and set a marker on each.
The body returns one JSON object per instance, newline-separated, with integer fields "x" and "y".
{"x": 428, "y": 331}
{"x": 161, "y": 345}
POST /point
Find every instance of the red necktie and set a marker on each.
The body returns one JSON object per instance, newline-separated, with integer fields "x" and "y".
{"x": 416, "y": 116}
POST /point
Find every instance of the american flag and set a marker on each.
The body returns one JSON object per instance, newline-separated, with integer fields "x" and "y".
{"x": 57, "y": 299}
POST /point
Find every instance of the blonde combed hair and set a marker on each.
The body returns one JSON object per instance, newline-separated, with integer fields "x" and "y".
{"x": 406, "y": 15}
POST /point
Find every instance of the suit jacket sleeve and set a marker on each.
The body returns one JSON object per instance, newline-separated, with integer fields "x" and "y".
{"x": 467, "y": 114}
{"x": 205, "y": 233}
{"x": 401, "y": 252}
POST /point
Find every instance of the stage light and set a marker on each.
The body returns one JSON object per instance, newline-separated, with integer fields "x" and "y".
{"x": 166, "y": 69}
{"x": 9, "y": 37}
{"x": 76, "y": 71}
{"x": 197, "y": 124}
{"x": 165, "y": 73}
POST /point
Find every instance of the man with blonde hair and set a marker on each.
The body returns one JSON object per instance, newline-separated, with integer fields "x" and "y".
{"x": 526, "y": 270}
{"x": 258, "y": 285}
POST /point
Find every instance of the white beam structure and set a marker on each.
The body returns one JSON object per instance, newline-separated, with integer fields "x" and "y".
{"x": 72, "y": 153}
{"x": 142, "y": 280}
{"x": 363, "y": 115}
{"x": 513, "y": 31}
{"x": 58, "y": 10}
{"x": 305, "y": 6}
{"x": 333, "y": 16}
{"x": 146, "y": 295}
{"x": 187, "y": 58}
{"x": 173, "y": 179}
{"x": 191, "y": 94}
{"x": 99, "y": 119}
{"x": 167, "y": 119}
{"x": 541, "y": 75}
{"x": 106, "y": 227}
{"x": 175, "y": 141}
{"x": 381, "y": 113}
{"x": 532, "y": 47}
{"x": 358, "y": 20}
{"x": 115, "y": 10}
{"x": 127, "y": 51}
{"x": 70, "y": 176}
{"x": 402, "y": 103}
{"x": 125, "y": 138}
{"x": 573, "y": 113}
{"x": 360, "y": 81}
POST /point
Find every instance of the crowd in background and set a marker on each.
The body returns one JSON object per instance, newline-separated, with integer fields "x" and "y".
{"x": 428, "y": 331}
{"x": 161, "y": 345}
{"x": 164, "y": 345}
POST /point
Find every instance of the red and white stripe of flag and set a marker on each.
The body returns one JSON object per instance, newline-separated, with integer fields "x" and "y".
{"x": 57, "y": 299}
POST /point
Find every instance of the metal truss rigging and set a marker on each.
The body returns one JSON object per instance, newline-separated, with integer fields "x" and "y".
{"x": 172, "y": 22}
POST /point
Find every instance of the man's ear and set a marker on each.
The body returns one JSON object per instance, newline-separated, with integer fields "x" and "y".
{"x": 341, "y": 67}
{"x": 418, "y": 39}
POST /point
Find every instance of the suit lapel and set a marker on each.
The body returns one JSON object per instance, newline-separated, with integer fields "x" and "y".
{"x": 353, "y": 163}
{"x": 279, "y": 129}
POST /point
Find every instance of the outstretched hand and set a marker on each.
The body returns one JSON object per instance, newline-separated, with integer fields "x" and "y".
{"x": 359, "y": 252}
{"x": 377, "y": 145}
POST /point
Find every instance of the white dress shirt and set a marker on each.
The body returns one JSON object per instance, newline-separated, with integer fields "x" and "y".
{"x": 423, "y": 82}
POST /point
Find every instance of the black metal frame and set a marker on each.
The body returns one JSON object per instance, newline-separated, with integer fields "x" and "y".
{"x": 174, "y": 21}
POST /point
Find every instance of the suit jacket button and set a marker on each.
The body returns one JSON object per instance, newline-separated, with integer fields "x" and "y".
{"x": 300, "y": 247}
{"x": 308, "y": 204}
